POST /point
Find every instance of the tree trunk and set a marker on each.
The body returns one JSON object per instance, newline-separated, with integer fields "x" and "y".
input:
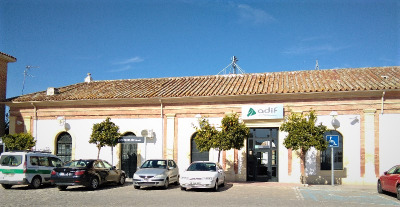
{"x": 302, "y": 166}
{"x": 219, "y": 154}
{"x": 98, "y": 152}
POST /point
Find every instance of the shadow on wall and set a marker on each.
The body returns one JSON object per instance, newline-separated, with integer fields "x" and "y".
{"x": 324, "y": 177}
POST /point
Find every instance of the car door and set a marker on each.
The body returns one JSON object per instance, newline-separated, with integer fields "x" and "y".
{"x": 387, "y": 181}
{"x": 173, "y": 171}
{"x": 99, "y": 169}
{"x": 392, "y": 180}
{"x": 113, "y": 175}
{"x": 221, "y": 175}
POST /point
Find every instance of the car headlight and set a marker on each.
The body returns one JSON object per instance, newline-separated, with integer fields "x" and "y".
{"x": 160, "y": 176}
{"x": 136, "y": 176}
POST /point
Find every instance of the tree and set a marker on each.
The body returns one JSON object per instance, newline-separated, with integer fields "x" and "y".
{"x": 304, "y": 134}
{"x": 232, "y": 134}
{"x": 103, "y": 134}
{"x": 21, "y": 141}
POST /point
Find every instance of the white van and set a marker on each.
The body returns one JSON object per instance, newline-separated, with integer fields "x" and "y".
{"x": 27, "y": 168}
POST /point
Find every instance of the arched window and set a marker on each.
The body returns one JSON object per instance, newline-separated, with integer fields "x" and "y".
{"x": 337, "y": 153}
{"x": 64, "y": 146}
{"x": 196, "y": 155}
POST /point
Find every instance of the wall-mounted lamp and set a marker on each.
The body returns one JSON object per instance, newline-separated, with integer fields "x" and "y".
{"x": 198, "y": 116}
{"x": 335, "y": 123}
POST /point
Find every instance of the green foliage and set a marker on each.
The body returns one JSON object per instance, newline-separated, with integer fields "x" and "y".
{"x": 103, "y": 134}
{"x": 21, "y": 141}
{"x": 303, "y": 133}
{"x": 232, "y": 134}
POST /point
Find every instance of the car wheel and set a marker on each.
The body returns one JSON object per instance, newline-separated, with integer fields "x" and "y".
{"x": 379, "y": 187}
{"x": 166, "y": 183}
{"x": 216, "y": 186}
{"x": 36, "y": 182}
{"x": 177, "y": 181}
{"x": 398, "y": 192}
{"x": 61, "y": 188}
{"x": 94, "y": 183}
{"x": 6, "y": 186}
{"x": 121, "y": 180}
{"x": 183, "y": 188}
{"x": 136, "y": 187}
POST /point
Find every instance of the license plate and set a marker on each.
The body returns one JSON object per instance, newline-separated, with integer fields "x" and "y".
{"x": 63, "y": 174}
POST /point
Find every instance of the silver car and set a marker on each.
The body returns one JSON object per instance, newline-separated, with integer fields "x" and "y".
{"x": 156, "y": 172}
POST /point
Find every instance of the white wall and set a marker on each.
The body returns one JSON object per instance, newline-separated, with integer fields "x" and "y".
{"x": 81, "y": 129}
{"x": 389, "y": 141}
{"x": 350, "y": 129}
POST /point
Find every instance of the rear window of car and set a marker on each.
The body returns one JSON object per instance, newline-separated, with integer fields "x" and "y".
{"x": 202, "y": 167}
{"x": 11, "y": 160}
{"x": 77, "y": 163}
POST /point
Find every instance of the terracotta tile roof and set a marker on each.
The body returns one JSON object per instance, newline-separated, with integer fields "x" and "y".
{"x": 358, "y": 79}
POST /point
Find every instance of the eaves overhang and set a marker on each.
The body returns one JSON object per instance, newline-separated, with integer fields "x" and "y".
{"x": 270, "y": 98}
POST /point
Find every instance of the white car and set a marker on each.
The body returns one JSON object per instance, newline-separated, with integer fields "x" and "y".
{"x": 203, "y": 174}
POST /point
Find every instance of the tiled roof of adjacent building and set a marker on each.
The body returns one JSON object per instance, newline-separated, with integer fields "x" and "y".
{"x": 9, "y": 57}
{"x": 356, "y": 79}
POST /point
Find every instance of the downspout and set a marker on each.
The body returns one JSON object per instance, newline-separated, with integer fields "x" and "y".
{"x": 162, "y": 129}
{"x": 383, "y": 101}
{"x": 35, "y": 119}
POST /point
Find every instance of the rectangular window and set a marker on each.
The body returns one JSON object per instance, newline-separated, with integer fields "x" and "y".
{"x": 11, "y": 160}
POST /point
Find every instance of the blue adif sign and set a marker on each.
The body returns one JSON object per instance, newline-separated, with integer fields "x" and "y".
{"x": 333, "y": 140}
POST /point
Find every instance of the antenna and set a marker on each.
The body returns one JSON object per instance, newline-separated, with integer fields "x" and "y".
{"x": 27, "y": 68}
{"x": 316, "y": 65}
{"x": 234, "y": 67}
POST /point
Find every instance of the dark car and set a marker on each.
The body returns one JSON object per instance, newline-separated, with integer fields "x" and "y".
{"x": 89, "y": 173}
{"x": 390, "y": 181}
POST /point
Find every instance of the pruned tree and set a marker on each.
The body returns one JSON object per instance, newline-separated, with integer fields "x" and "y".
{"x": 20, "y": 141}
{"x": 303, "y": 133}
{"x": 103, "y": 134}
{"x": 232, "y": 135}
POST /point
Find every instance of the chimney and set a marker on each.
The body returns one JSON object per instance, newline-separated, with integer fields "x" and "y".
{"x": 88, "y": 79}
{"x": 4, "y": 60}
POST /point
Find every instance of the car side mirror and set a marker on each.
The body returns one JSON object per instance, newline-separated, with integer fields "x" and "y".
{"x": 385, "y": 173}
{"x": 114, "y": 168}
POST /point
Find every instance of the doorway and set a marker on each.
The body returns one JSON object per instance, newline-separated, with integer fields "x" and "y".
{"x": 129, "y": 157}
{"x": 262, "y": 155}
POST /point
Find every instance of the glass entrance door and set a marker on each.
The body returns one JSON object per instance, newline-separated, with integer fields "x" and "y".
{"x": 262, "y": 155}
{"x": 129, "y": 159}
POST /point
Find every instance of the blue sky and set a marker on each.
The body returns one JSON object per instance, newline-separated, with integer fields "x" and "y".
{"x": 158, "y": 38}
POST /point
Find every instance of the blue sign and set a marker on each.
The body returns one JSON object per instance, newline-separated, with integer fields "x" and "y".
{"x": 333, "y": 140}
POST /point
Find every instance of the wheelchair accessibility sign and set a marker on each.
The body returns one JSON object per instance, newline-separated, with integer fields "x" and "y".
{"x": 333, "y": 140}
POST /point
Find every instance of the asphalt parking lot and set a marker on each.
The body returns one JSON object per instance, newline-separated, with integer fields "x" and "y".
{"x": 233, "y": 194}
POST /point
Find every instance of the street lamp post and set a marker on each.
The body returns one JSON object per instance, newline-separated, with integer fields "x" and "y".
{"x": 335, "y": 124}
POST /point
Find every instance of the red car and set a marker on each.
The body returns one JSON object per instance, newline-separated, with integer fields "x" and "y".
{"x": 390, "y": 181}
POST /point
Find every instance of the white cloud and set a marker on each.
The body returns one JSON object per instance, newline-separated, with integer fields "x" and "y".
{"x": 130, "y": 60}
{"x": 254, "y": 16}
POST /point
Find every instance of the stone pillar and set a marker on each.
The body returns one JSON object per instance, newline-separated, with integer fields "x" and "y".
{"x": 170, "y": 135}
{"x": 369, "y": 130}
{"x": 4, "y": 60}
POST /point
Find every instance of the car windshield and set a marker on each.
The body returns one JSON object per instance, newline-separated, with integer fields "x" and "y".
{"x": 77, "y": 163}
{"x": 155, "y": 164}
{"x": 11, "y": 160}
{"x": 202, "y": 167}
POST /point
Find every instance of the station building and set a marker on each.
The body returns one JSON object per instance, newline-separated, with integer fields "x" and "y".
{"x": 364, "y": 104}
